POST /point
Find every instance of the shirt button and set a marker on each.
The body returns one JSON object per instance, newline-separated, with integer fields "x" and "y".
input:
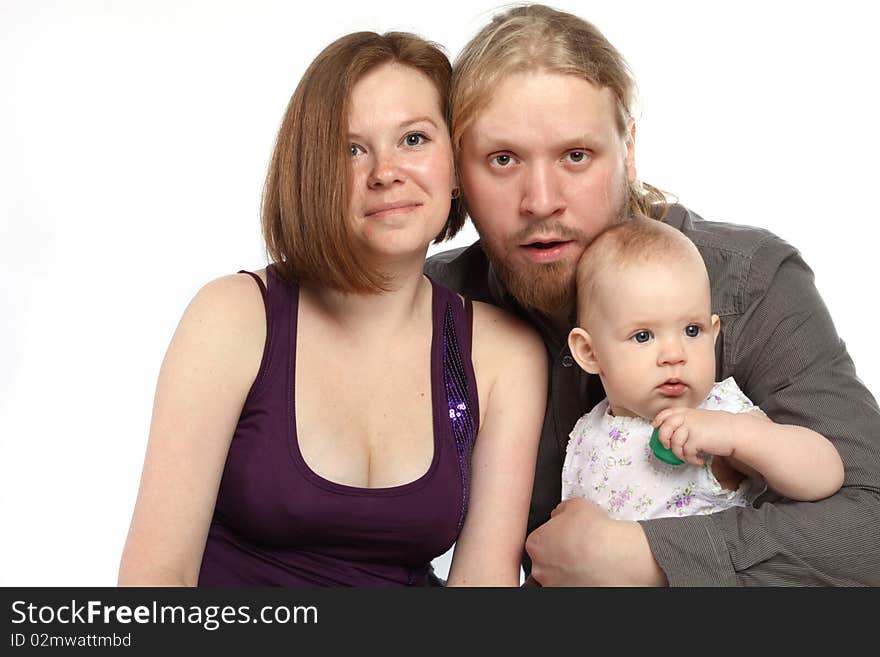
{"x": 567, "y": 361}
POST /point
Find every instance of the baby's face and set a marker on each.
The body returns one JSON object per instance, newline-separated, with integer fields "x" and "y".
{"x": 653, "y": 334}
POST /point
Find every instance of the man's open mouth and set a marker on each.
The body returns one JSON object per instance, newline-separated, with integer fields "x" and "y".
{"x": 543, "y": 245}
{"x": 547, "y": 251}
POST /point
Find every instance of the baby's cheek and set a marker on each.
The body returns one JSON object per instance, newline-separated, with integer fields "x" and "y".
{"x": 705, "y": 380}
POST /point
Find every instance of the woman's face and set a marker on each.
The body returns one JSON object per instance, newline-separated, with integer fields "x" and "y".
{"x": 401, "y": 163}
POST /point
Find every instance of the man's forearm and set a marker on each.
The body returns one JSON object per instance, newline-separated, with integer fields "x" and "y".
{"x": 782, "y": 543}
{"x": 644, "y": 569}
{"x": 690, "y": 551}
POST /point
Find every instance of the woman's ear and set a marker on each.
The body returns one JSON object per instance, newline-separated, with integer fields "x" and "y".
{"x": 631, "y": 153}
{"x": 581, "y": 345}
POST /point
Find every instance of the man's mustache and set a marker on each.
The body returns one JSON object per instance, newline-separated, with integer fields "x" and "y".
{"x": 548, "y": 230}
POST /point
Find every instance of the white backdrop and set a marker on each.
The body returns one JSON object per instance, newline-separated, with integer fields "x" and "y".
{"x": 134, "y": 137}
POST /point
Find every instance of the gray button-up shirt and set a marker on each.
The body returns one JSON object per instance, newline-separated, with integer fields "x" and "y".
{"x": 779, "y": 343}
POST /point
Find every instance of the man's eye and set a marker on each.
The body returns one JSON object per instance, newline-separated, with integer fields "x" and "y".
{"x": 692, "y": 330}
{"x": 355, "y": 150}
{"x": 502, "y": 160}
{"x": 577, "y": 156}
{"x": 641, "y": 337}
{"x": 415, "y": 139}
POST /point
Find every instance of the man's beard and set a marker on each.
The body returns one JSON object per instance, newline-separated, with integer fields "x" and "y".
{"x": 548, "y": 288}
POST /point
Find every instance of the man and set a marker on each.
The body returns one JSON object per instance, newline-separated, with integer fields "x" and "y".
{"x": 545, "y": 143}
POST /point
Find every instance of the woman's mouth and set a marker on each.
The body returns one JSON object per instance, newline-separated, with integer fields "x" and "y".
{"x": 391, "y": 209}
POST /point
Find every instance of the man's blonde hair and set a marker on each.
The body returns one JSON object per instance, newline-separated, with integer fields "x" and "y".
{"x": 537, "y": 37}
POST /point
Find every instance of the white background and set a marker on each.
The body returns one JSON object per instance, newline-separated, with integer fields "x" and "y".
{"x": 134, "y": 138}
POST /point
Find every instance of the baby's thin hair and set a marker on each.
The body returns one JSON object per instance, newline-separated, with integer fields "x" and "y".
{"x": 637, "y": 240}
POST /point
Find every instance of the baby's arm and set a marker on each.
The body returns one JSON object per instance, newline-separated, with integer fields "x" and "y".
{"x": 796, "y": 462}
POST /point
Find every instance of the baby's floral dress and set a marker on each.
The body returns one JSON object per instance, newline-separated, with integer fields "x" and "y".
{"x": 609, "y": 461}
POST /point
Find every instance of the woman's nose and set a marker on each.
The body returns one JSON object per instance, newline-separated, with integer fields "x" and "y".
{"x": 385, "y": 171}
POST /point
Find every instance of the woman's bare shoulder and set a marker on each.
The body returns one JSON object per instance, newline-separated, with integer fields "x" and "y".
{"x": 501, "y": 325}
{"x": 235, "y": 297}
{"x": 226, "y": 316}
{"x": 504, "y": 340}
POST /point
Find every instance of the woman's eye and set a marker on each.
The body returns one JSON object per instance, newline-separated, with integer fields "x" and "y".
{"x": 502, "y": 160}
{"x": 415, "y": 139}
{"x": 577, "y": 156}
{"x": 692, "y": 330}
{"x": 641, "y": 337}
{"x": 355, "y": 150}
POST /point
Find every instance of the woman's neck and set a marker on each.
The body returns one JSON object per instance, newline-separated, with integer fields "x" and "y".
{"x": 382, "y": 314}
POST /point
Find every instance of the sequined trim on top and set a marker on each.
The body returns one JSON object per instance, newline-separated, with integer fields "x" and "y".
{"x": 458, "y": 403}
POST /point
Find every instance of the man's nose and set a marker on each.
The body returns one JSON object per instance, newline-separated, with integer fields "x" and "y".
{"x": 386, "y": 170}
{"x": 542, "y": 196}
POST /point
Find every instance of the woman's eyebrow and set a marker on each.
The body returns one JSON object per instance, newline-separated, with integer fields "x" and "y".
{"x": 419, "y": 119}
{"x": 406, "y": 123}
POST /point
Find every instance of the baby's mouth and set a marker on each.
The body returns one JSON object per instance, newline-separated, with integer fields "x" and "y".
{"x": 673, "y": 387}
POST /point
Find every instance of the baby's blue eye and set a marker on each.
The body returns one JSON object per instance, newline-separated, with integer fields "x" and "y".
{"x": 641, "y": 337}
{"x": 692, "y": 330}
{"x": 354, "y": 150}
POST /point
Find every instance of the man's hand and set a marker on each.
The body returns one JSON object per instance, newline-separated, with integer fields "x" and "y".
{"x": 581, "y": 546}
{"x": 689, "y": 431}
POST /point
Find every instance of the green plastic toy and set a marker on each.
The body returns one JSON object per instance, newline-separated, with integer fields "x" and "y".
{"x": 661, "y": 452}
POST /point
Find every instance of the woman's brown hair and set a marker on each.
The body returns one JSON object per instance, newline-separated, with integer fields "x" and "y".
{"x": 308, "y": 186}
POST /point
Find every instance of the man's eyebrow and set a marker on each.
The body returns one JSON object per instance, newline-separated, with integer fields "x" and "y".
{"x": 502, "y": 141}
{"x": 587, "y": 138}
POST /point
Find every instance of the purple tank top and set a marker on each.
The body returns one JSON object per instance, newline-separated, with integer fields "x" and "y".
{"x": 278, "y": 523}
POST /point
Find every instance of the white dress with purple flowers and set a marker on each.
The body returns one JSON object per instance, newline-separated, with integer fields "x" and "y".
{"x": 609, "y": 461}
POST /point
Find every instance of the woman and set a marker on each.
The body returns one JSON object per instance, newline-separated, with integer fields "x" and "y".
{"x": 329, "y": 420}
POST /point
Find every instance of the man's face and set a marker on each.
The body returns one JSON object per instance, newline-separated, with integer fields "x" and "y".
{"x": 544, "y": 169}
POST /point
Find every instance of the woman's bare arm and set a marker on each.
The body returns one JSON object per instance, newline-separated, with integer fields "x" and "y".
{"x": 490, "y": 547}
{"x": 210, "y": 365}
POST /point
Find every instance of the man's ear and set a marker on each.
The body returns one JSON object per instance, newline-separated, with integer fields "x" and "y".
{"x": 716, "y": 327}
{"x": 581, "y": 345}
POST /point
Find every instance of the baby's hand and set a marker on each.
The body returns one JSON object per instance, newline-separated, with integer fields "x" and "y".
{"x": 689, "y": 431}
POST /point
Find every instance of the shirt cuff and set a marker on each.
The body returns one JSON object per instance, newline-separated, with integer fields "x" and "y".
{"x": 690, "y": 550}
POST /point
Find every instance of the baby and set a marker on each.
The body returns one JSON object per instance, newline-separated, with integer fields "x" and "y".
{"x": 646, "y": 327}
